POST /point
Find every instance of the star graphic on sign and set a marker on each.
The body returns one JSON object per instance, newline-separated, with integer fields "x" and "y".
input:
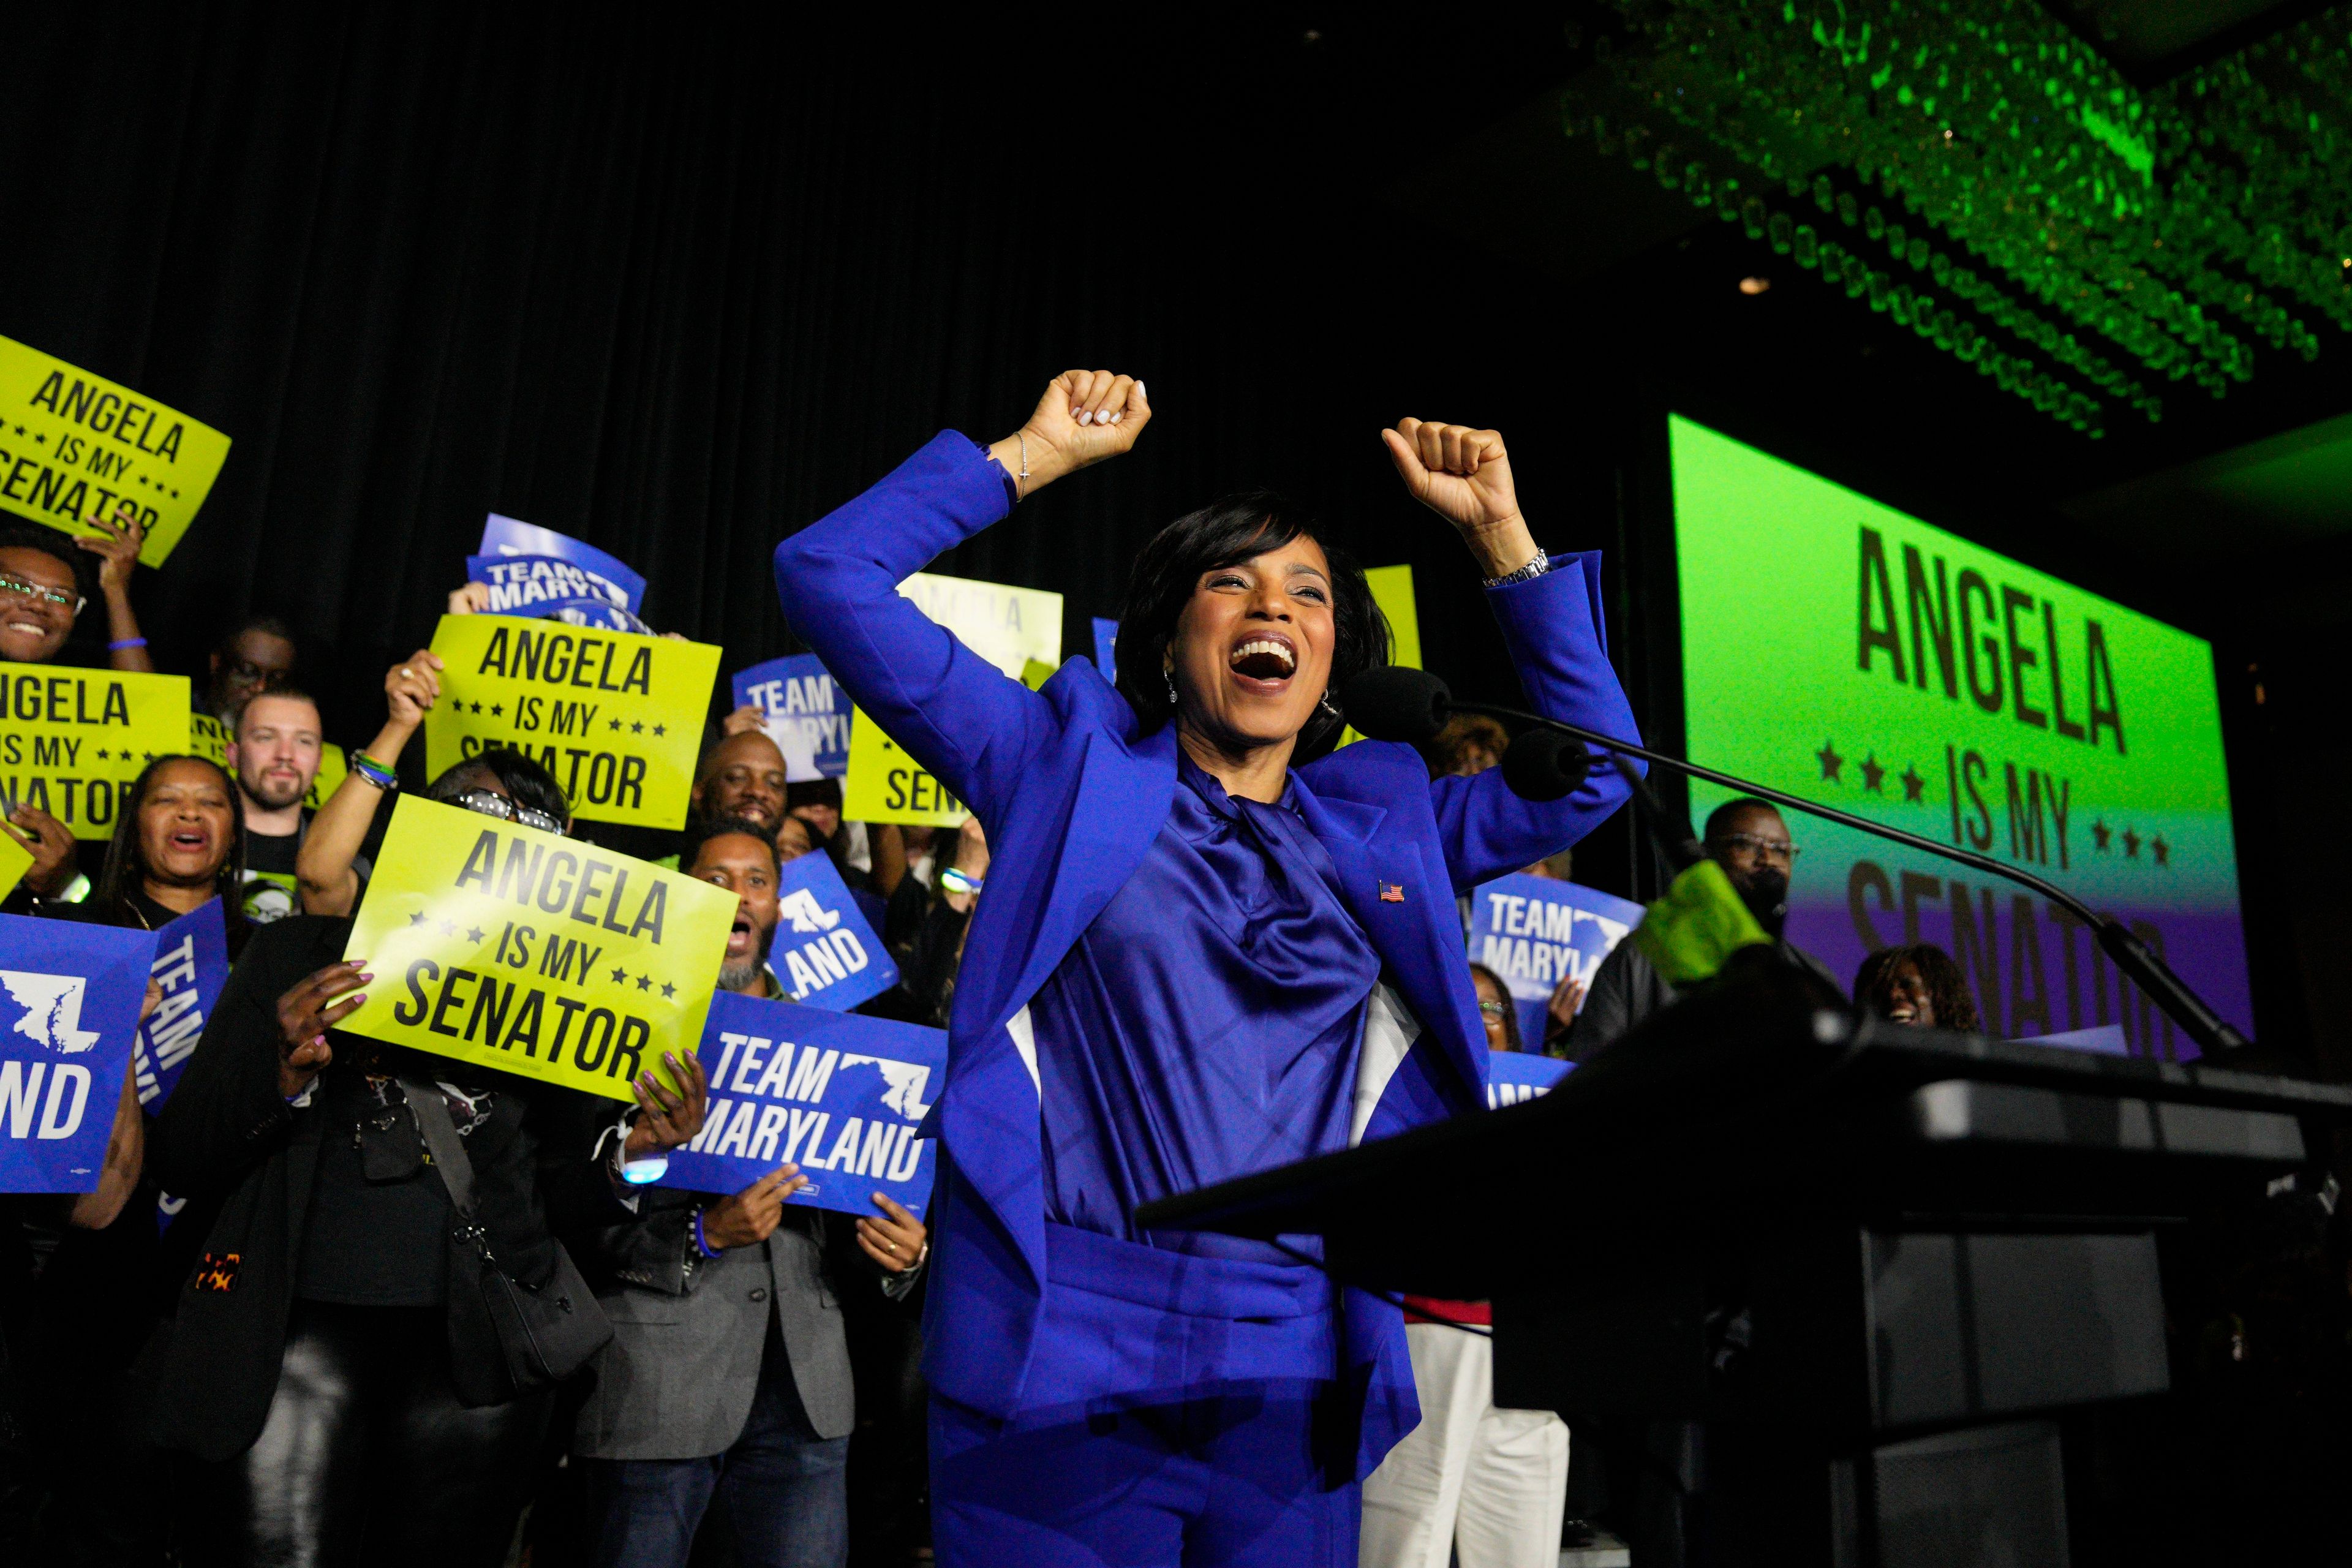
{"x": 1914, "y": 787}
{"x": 2163, "y": 851}
{"x": 1830, "y": 762}
{"x": 474, "y": 933}
{"x": 2131, "y": 845}
{"x": 661, "y": 728}
{"x": 101, "y": 754}
{"x": 2101, "y": 833}
{"x": 1874, "y": 776}
{"x": 38, "y": 436}
{"x": 668, "y": 991}
{"x": 478, "y": 707}
{"x": 644, "y": 983}
{"x": 418, "y": 918}
{"x": 448, "y": 928}
{"x": 620, "y": 976}
{"x": 616, "y": 724}
{"x": 638, "y": 728}
{"x": 149, "y": 755}
{"x": 497, "y": 708}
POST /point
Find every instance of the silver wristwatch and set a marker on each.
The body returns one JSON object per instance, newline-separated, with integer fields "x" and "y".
{"x": 1533, "y": 569}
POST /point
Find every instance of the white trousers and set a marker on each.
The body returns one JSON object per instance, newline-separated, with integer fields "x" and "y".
{"x": 1487, "y": 1484}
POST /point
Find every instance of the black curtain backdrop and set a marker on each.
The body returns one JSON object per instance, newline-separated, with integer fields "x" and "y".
{"x": 679, "y": 284}
{"x": 678, "y": 288}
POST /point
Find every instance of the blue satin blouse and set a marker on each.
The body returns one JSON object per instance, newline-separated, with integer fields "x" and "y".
{"x": 1206, "y": 1024}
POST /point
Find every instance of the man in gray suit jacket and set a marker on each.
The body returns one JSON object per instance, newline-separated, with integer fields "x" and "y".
{"x": 727, "y": 1377}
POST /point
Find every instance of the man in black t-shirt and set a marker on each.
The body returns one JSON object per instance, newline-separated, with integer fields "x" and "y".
{"x": 273, "y": 751}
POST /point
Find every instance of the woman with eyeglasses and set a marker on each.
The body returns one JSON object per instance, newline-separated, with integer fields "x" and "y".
{"x": 342, "y": 1398}
{"x": 1211, "y": 943}
{"x": 41, "y": 596}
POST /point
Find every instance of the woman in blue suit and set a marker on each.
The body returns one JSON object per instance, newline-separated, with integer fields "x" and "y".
{"x": 1209, "y": 945}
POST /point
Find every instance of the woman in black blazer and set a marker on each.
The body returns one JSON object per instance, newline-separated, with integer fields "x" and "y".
{"x": 345, "y": 1398}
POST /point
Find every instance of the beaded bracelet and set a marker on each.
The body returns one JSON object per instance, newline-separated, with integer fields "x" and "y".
{"x": 374, "y": 772}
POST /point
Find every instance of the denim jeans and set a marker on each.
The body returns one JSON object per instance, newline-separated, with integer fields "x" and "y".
{"x": 782, "y": 1489}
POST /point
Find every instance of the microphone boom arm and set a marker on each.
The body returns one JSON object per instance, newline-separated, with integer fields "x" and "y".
{"x": 2134, "y": 957}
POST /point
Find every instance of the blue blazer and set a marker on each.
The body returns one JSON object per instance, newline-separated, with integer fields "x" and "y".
{"x": 1071, "y": 797}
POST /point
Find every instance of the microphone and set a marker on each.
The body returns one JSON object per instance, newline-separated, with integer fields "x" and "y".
{"x": 1393, "y": 703}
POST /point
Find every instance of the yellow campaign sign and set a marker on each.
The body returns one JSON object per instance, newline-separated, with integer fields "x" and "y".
{"x": 208, "y": 737}
{"x": 73, "y": 741}
{"x": 1392, "y": 592}
{"x": 14, "y": 861}
{"x": 884, "y": 784}
{"x": 1006, "y": 626}
{"x": 75, "y": 446}
{"x": 531, "y": 953}
{"x": 615, "y": 717}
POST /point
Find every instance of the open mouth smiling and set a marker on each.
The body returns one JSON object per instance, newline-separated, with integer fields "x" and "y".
{"x": 1263, "y": 661}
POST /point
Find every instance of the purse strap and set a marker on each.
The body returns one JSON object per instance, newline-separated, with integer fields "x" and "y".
{"x": 441, "y": 1139}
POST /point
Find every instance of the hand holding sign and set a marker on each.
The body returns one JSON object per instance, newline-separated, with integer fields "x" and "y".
{"x": 51, "y": 845}
{"x": 306, "y": 1013}
{"x": 751, "y": 1215}
{"x": 668, "y": 1119}
{"x": 895, "y": 1241}
{"x": 410, "y": 690}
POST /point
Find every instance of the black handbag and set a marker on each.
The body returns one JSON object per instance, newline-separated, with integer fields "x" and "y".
{"x": 547, "y": 1332}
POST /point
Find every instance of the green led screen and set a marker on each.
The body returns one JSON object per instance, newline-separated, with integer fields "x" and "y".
{"x": 1846, "y": 652}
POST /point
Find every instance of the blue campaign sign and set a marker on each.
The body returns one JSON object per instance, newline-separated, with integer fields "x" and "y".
{"x": 69, "y": 998}
{"x": 836, "y": 1094}
{"x": 1515, "y": 1076}
{"x": 1535, "y": 931}
{"x": 1106, "y": 644}
{"x": 542, "y": 587}
{"x": 191, "y": 965}
{"x": 506, "y": 536}
{"x": 807, "y": 716}
{"x": 824, "y": 951}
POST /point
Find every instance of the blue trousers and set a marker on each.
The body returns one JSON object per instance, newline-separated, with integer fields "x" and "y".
{"x": 1229, "y": 1481}
{"x": 782, "y": 1488}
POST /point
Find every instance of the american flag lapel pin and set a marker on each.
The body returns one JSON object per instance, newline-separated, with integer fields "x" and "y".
{"x": 1391, "y": 892}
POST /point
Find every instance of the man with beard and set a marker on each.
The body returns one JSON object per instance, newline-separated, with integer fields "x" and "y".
{"x": 1748, "y": 839}
{"x": 274, "y": 748}
{"x": 728, "y": 1381}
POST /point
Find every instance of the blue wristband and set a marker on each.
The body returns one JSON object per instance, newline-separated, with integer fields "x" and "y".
{"x": 701, "y": 1242}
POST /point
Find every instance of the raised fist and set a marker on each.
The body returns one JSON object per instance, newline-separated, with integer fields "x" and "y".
{"x": 1461, "y": 474}
{"x": 1085, "y": 416}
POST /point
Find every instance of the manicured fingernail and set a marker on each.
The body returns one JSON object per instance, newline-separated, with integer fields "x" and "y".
{"x": 1085, "y": 416}
{"x": 356, "y": 963}
{"x": 1117, "y": 418}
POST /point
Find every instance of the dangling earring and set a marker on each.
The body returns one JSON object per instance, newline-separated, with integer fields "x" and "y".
{"x": 1323, "y": 702}
{"x": 1169, "y": 671}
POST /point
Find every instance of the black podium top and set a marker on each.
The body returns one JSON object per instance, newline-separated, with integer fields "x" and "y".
{"x": 1755, "y": 1100}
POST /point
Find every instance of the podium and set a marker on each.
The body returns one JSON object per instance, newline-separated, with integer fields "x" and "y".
{"x": 1848, "y": 1274}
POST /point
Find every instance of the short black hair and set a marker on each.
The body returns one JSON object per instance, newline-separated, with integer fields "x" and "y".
{"x": 525, "y": 779}
{"x": 825, "y": 791}
{"x": 269, "y": 625}
{"x": 51, "y": 542}
{"x": 1227, "y": 533}
{"x": 234, "y": 721}
{"x": 701, "y": 830}
{"x": 1948, "y": 987}
{"x": 1722, "y": 815}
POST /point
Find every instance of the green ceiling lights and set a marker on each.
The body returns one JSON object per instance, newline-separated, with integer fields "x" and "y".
{"x": 1982, "y": 177}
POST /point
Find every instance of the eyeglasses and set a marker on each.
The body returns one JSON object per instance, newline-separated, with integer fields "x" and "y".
{"x": 1778, "y": 849}
{"x": 1495, "y": 1009}
{"x": 69, "y": 602}
{"x": 490, "y": 803}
